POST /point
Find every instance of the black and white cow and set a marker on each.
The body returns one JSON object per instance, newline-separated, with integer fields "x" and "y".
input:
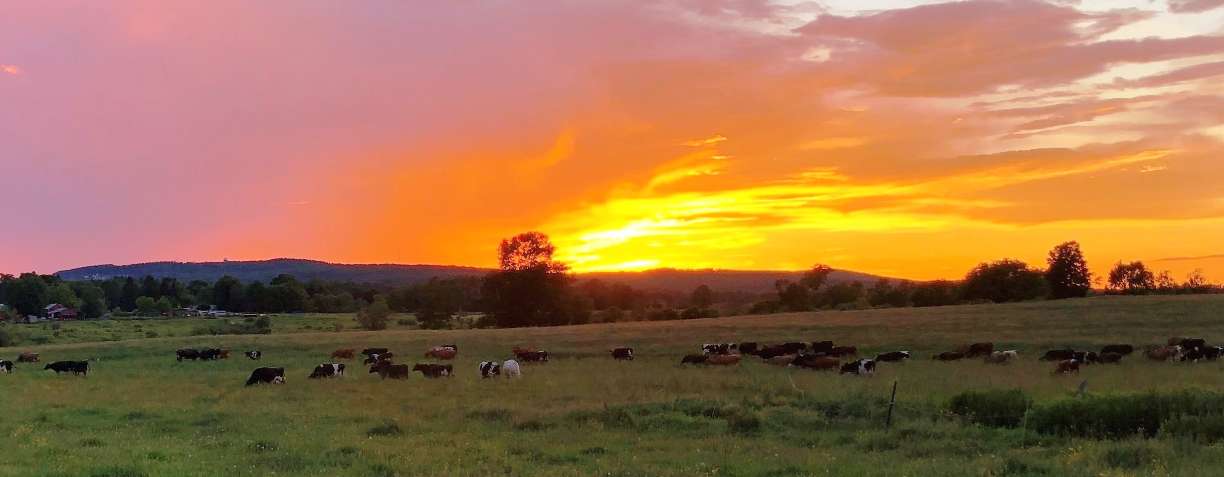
{"x": 6, "y": 366}
{"x": 267, "y": 376}
{"x": 893, "y": 356}
{"x": 370, "y": 351}
{"x": 862, "y": 367}
{"x": 435, "y": 370}
{"x": 328, "y": 370}
{"x": 489, "y": 369}
{"x": 624, "y": 354}
{"x": 75, "y": 367}
{"x": 254, "y": 355}
{"x": 376, "y": 358}
{"x": 719, "y": 348}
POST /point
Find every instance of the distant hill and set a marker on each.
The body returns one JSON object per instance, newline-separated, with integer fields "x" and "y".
{"x": 305, "y": 270}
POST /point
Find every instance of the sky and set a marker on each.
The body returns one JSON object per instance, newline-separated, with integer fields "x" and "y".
{"x": 904, "y": 138}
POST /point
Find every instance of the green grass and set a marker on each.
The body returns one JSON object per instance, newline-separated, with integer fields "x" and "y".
{"x": 142, "y": 413}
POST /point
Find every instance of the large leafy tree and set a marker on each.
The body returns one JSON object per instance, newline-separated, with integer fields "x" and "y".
{"x": 1067, "y": 272}
{"x": 1003, "y": 281}
{"x": 531, "y": 287}
{"x": 1131, "y": 278}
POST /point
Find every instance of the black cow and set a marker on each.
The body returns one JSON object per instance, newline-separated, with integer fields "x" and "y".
{"x": 187, "y": 354}
{"x": 387, "y": 370}
{"x": 435, "y": 370}
{"x": 822, "y": 346}
{"x": 622, "y": 354}
{"x": 370, "y": 351}
{"x": 1058, "y": 355}
{"x": 489, "y": 369}
{"x": 267, "y": 376}
{"x": 794, "y": 347}
{"x": 771, "y": 352}
{"x": 74, "y": 367}
{"x": 1212, "y": 353}
{"x": 862, "y": 367}
{"x": 893, "y": 356}
{"x": 694, "y": 359}
{"x": 254, "y": 355}
{"x": 949, "y": 356}
{"x": 1193, "y": 343}
{"x": 210, "y": 354}
{"x": 978, "y": 349}
{"x": 1122, "y": 349}
{"x": 327, "y": 370}
{"x": 525, "y": 356}
{"x": 1111, "y": 357}
{"x": 749, "y": 347}
{"x": 6, "y": 366}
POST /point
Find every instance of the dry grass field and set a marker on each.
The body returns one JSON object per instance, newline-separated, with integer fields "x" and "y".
{"x": 139, "y": 412}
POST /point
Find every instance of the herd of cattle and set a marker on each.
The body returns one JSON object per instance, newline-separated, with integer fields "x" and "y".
{"x": 819, "y": 355}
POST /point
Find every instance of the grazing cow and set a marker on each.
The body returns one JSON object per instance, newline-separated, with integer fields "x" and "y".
{"x": 693, "y": 359}
{"x": 223, "y": 354}
{"x": 1192, "y": 355}
{"x": 27, "y": 358}
{"x": 822, "y": 346}
{"x": 267, "y": 376}
{"x": 187, "y": 354}
{"x": 435, "y": 370}
{"x": 510, "y": 369}
{"x": 533, "y": 356}
{"x": 794, "y": 347}
{"x": 1193, "y": 343}
{"x": 977, "y": 350}
{"x": 442, "y": 352}
{"x": 1058, "y": 355}
{"x": 518, "y": 350}
{"x": 1212, "y": 353}
{"x": 749, "y": 347}
{"x": 210, "y": 354}
{"x": 74, "y": 367}
{"x": 719, "y": 348}
{"x": 370, "y": 351}
{"x": 393, "y": 371}
{"x": 783, "y": 360}
{"x": 489, "y": 369}
{"x": 344, "y": 354}
{"x": 1163, "y": 353}
{"x": 254, "y": 355}
{"x": 379, "y": 357}
{"x": 622, "y": 354}
{"x": 820, "y": 363}
{"x": 1176, "y": 341}
{"x": 6, "y": 366}
{"x": 1122, "y": 349}
{"x": 949, "y": 356}
{"x": 770, "y": 352}
{"x": 328, "y": 370}
{"x": 1002, "y": 357}
{"x": 893, "y": 356}
{"x": 839, "y": 351}
{"x": 1086, "y": 357}
{"x": 723, "y": 359}
{"x": 1067, "y": 366}
{"x": 1111, "y": 357}
{"x": 862, "y": 367}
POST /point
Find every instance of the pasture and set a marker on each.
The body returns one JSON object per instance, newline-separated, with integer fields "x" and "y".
{"x": 140, "y": 412}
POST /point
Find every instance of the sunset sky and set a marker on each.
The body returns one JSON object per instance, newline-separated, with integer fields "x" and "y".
{"x": 898, "y": 137}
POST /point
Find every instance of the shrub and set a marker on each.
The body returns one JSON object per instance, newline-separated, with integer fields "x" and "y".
{"x": 1129, "y": 456}
{"x": 995, "y": 408}
{"x": 375, "y": 316}
{"x": 1117, "y": 416}
{"x": 1201, "y": 429}
{"x": 7, "y": 338}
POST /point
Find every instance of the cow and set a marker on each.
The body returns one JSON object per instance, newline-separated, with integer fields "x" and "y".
{"x": 977, "y": 350}
{"x": 794, "y": 346}
{"x": 1086, "y": 357}
{"x": 385, "y": 370}
{"x": 949, "y": 356}
{"x": 6, "y": 367}
{"x": 379, "y": 357}
{"x": 344, "y": 354}
{"x": 719, "y": 348}
{"x": 862, "y": 367}
{"x": 771, "y": 352}
{"x": 723, "y": 359}
{"x": 822, "y": 346}
{"x": 27, "y": 358}
{"x": 1192, "y": 355}
{"x": 893, "y": 356}
{"x": 187, "y": 354}
{"x": 210, "y": 354}
{"x": 1163, "y": 353}
{"x": 266, "y": 376}
{"x": 327, "y": 370}
{"x": 1176, "y": 341}
{"x": 1067, "y": 366}
{"x": 489, "y": 369}
{"x": 74, "y": 367}
{"x": 1122, "y": 349}
{"x": 442, "y": 352}
{"x": 783, "y": 360}
{"x": 370, "y": 351}
{"x": 532, "y": 356}
{"x": 1001, "y": 357}
{"x": 517, "y": 350}
{"x": 820, "y": 363}
{"x": 510, "y": 369}
{"x": 694, "y": 359}
{"x": 1111, "y": 357}
{"x": 435, "y": 370}
{"x": 1193, "y": 343}
{"x": 622, "y": 354}
{"x": 749, "y": 347}
{"x": 254, "y": 355}
{"x": 839, "y": 351}
{"x": 1212, "y": 353}
{"x": 223, "y": 354}
{"x": 1058, "y": 355}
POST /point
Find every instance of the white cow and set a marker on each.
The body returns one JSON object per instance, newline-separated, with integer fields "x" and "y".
{"x": 510, "y": 369}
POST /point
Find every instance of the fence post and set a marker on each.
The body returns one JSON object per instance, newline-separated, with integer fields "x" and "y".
{"x": 892, "y": 402}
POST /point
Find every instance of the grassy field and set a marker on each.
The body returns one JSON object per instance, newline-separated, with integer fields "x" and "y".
{"x": 142, "y": 413}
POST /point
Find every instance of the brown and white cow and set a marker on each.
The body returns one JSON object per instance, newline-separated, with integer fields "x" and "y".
{"x": 435, "y": 370}
{"x": 442, "y": 352}
{"x": 1067, "y": 366}
{"x": 348, "y": 353}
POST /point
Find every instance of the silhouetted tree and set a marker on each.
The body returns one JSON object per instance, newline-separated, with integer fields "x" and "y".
{"x": 816, "y": 277}
{"x": 1131, "y": 278}
{"x": 702, "y": 297}
{"x": 934, "y": 293}
{"x": 375, "y": 316}
{"x": 530, "y": 288}
{"x": 1067, "y": 272}
{"x": 228, "y": 293}
{"x": 793, "y": 296}
{"x": 1003, "y": 281}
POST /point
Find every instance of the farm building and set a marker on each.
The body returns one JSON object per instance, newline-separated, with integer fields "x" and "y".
{"x": 58, "y": 312}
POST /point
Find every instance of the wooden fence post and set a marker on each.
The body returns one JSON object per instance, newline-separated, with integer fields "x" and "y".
{"x": 892, "y": 402}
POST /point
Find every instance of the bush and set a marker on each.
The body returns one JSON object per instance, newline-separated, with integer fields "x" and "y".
{"x": 375, "y": 316}
{"x": 1201, "y": 429}
{"x": 1117, "y": 416}
{"x": 995, "y": 408}
{"x": 7, "y": 338}
{"x": 1129, "y": 456}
